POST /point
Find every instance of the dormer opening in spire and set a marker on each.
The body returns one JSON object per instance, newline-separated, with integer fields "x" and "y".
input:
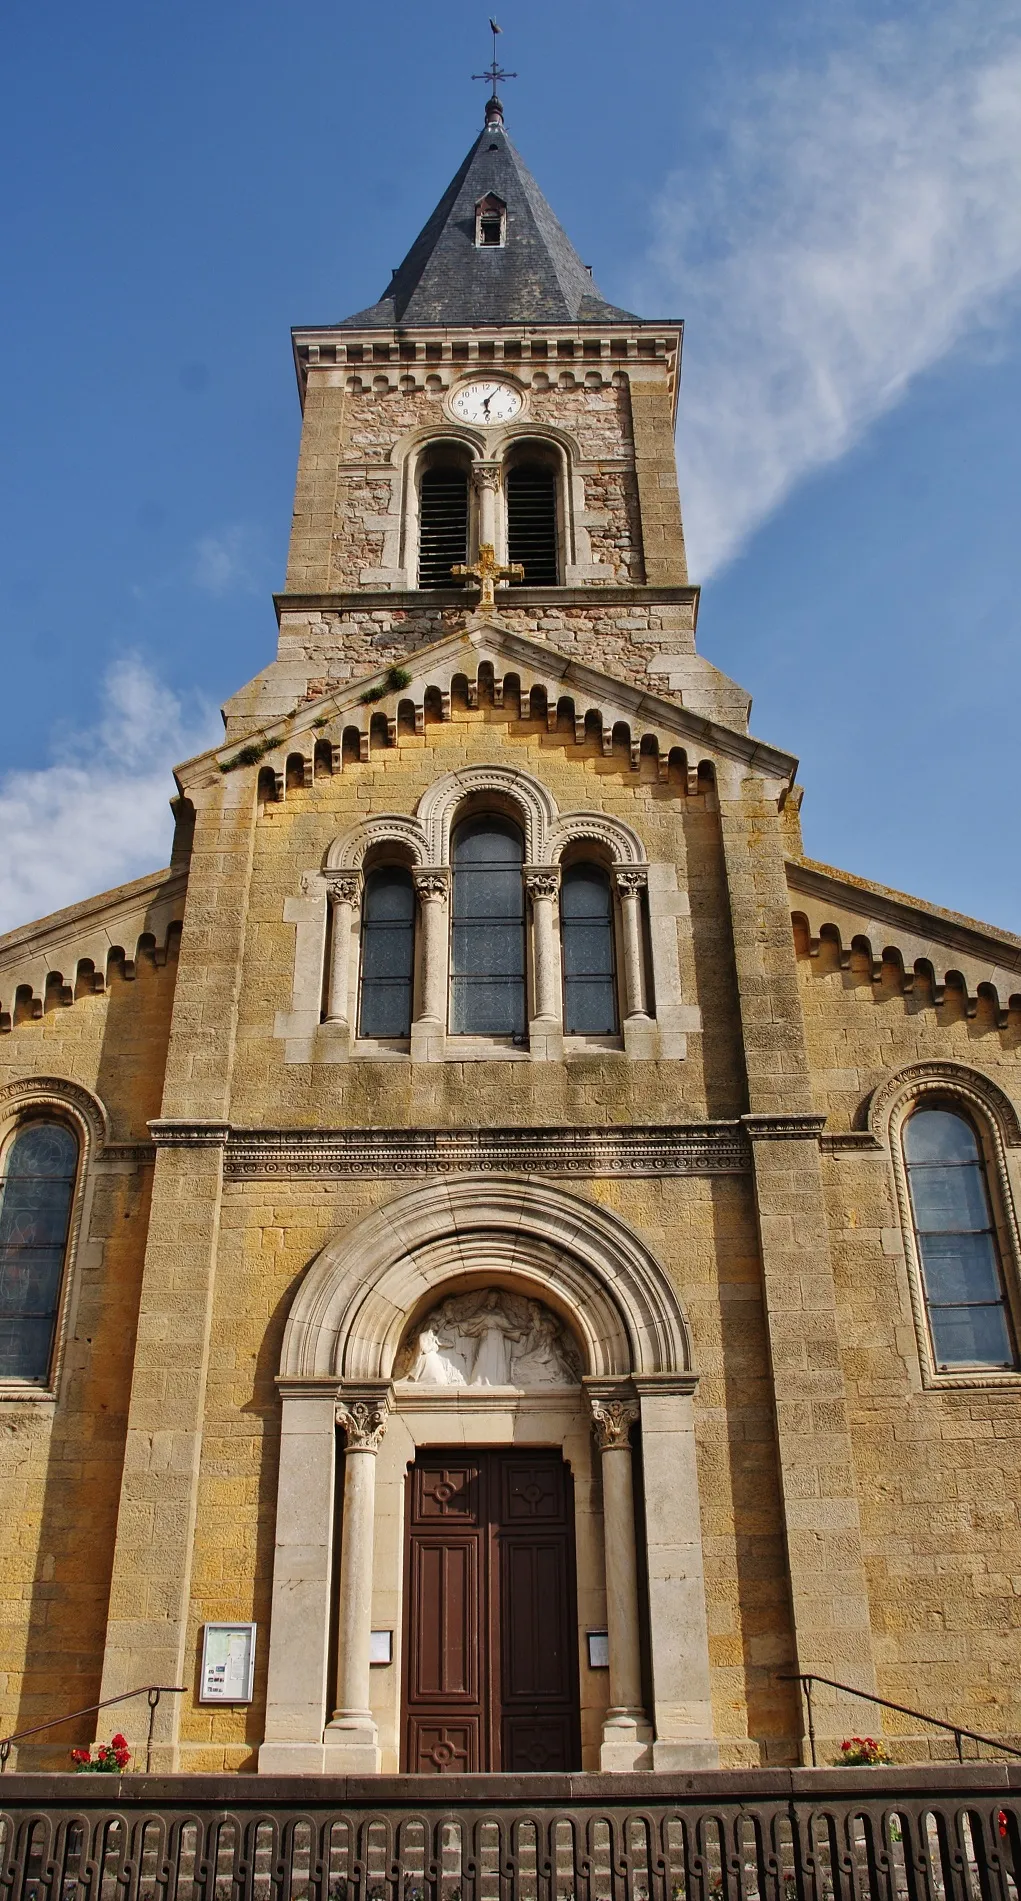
{"x": 490, "y": 220}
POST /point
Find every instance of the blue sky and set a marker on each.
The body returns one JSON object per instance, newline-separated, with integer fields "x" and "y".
{"x": 830, "y": 196}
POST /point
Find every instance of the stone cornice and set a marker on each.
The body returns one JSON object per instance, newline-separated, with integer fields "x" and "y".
{"x": 179, "y": 1132}
{"x": 784, "y": 1128}
{"x": 905, "y": 913}
{"x": 713, "y": 1148}
{"x": 369, "y": 600}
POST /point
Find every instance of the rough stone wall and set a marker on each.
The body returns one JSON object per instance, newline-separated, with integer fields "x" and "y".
{"x": 938, "y": 1471}
{"x": 60, "y": 1467}
{"x": 348, "y": 490}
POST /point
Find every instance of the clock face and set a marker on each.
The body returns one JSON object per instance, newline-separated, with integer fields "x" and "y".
{"x": 485, "y": 402}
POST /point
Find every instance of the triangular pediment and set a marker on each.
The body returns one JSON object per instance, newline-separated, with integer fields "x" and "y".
{"x": 486, "y": 657}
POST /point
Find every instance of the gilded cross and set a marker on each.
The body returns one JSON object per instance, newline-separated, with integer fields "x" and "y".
{"x": 485, "y": 572}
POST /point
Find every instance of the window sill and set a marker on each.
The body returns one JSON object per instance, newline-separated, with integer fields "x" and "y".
{"x": 972, "y": 1379}
{"x": 592, "y": 1045}
{"x": 383, "y": 1049}
{"x": 483, "y": 1049}
{"x": 21, "y": 1390}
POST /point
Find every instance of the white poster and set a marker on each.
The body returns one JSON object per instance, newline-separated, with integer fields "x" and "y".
{"x": 228, "y": 1663}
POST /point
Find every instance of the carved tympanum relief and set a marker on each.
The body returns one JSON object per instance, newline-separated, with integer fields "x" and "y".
{"x": 489, "y": 1338}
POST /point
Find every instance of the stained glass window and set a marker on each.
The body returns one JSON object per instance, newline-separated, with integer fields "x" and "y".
{"x": 488, "y": 935}
{"x": 586, "y": 931}
{"x": 388, "y": 952}
{"x": 957, "y": 1245}
{"x": 35, "y": 1212}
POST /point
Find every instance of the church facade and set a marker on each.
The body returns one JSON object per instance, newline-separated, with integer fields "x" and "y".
{"x": 504, "y": 1262}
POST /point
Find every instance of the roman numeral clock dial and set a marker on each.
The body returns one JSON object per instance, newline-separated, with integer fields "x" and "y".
{"x": 485, "y": 402}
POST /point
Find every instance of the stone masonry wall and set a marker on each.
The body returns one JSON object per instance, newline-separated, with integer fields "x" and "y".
{"x": 938, "y": 1471}
{"x": 60, "y": 1466}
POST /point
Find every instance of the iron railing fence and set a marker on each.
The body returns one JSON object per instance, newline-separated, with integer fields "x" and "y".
{"x": 926, "y": 1834}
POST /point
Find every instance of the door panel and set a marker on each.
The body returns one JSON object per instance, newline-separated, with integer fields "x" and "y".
{"x": 491, "y": 1671}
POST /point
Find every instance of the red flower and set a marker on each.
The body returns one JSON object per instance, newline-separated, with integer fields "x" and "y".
{"x": 118, "y": 1741}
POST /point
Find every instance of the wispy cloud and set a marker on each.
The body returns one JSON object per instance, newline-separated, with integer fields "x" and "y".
{"x": 99, "y": 815}
{"x": 226, "y": 562}
{"x": 863, "y": 215}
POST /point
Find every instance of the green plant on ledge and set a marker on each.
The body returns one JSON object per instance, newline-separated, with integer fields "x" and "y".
{"x": 249, "y": 755}
{"x": 392, "y": 683}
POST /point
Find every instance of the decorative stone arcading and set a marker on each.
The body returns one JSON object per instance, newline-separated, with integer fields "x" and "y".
{"x": 612, "y": 1420}
{"x": 364, "y": 1422}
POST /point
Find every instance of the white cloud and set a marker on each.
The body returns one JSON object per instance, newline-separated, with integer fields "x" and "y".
{"x": 100, "y": 815}
{"x": 225, "y": 562}
{"x": 862, "y": 215}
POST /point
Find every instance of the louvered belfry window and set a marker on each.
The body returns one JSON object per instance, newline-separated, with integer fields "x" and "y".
{"x": 443, "y": 525}
{"x": 532, "y": 522}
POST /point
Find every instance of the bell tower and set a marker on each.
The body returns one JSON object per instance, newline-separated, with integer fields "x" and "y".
{"x": 492, "y": 434}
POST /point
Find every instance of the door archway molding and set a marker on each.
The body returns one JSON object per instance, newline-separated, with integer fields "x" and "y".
{"x": 353, "y": 1308}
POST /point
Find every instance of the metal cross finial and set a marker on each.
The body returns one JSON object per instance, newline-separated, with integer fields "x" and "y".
{"x": 495, "y": 71}
{"x": 485, "y": 572}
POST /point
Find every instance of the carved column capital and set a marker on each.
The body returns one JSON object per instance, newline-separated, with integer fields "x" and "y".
{"x": 431, "y": 883}
{"x": 487, "y": 475}
{"x": 612, "y": 1420}
{"x": 344, "y": 887}
{"x": 630, "y": 880}
{"x": 364, "y": 1422}
{"x": 542, "y": 881}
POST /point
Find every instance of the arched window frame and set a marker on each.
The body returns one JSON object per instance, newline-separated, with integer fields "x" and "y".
{"x": 386, "y": 861}
{"x": 449, "y": 443}
{"x": 507, "y": 813}
{"x": 993, "y": 1118}
{"x": 528, "y": 446}
{"x": 589, "y": 852}
{"x": 46, "y": 1099}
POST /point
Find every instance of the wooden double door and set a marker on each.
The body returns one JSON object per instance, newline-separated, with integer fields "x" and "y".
{"x": 490, "y": 1634}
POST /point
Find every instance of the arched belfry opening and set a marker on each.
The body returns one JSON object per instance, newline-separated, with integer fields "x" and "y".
{"x": 472, "y": 1368}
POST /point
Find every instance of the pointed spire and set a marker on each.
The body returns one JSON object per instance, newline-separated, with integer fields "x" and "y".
{"x": 456, "y": 273}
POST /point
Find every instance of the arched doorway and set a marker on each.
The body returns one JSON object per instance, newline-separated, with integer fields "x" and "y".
{"x": 370, "y": 1343}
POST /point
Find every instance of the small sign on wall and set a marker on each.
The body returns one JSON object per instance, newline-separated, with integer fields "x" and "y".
{"x": 598, "y": 1650}
{"x": 228, "y": 1663}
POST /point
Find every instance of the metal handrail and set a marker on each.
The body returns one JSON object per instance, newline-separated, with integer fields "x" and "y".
{"x": 152, "y": 1690}
{"x": 806, "y": 1678}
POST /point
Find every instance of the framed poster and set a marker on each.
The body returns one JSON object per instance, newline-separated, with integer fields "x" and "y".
{"x": 228, "y": 1663}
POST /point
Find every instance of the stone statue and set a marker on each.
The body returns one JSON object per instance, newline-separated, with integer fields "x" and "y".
{"x": 431, "y": 1367}
{"x": 490, "y": 1338}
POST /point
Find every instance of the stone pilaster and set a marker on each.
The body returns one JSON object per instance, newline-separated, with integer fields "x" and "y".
{"x": 830, "y": 1610}
{"x": 147, "y": 1627}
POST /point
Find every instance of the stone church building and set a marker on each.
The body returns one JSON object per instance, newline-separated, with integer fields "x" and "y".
{"x": 504, "y": 1262}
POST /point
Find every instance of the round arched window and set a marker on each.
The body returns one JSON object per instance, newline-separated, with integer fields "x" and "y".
{"x": 955, "y": 1233}
{"x": 35, "y": 1215}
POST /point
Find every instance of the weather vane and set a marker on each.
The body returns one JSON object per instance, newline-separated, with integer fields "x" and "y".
{"x": 495, "y": 71}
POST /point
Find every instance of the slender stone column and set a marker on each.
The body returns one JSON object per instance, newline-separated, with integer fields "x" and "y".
{"x": 433, "y": 888}
{"x": 543, "y": 883}
{"x": 350, "y": 1738}
{"x": 630, "y": 885}
{"x": 626, "y": 1731}
{"x": 486, "y": 478}
{"x": 344, "y": 888}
